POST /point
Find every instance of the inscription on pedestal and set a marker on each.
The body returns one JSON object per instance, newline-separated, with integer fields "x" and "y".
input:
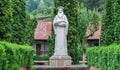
{"x": 60, "y": 63}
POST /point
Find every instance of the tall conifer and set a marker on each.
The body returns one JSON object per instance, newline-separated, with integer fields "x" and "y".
{"x": 111, "y": 23}
{"x": 5, "y": 19}
{"x": 23, "y": 26}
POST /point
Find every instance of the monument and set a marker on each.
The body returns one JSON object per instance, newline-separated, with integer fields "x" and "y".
{"x": 60, "y": 59}
{"x": 60, "y": 25}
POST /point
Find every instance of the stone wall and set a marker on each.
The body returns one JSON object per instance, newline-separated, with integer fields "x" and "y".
{"x": 61, "y": 69}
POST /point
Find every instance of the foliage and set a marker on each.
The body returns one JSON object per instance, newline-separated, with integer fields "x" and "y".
{"x": 88, "y": 20}
{"x": 14, "y": 28}
{"x": 19, "y": 17}
{"x": 29, "y": 30}
{"x": 117, "y": 21}
{"x": 105, "y": 58}
{"x": 40, "y": 57}
{"x": 93, "y": 4}
{"x": 5, "y": 19}
{"x": 14, "y": 56}
{"x": 51, "y": 42}
{"x": 111, "y": 19}
{"x": 80, "y": 51}
{"x": 15, "y": 24}
{"x": 31, "y": 5}
{"x": 39, "y": 7}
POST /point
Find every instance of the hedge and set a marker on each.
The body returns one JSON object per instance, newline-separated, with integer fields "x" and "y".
{"x": 104, "y": 58}
{"x": 13, "y": 56}
{"x": 40, "y": 57}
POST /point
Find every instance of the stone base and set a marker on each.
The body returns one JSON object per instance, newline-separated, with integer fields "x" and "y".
{"x": 60, "y": 61}
{"x": 72, "y": 67}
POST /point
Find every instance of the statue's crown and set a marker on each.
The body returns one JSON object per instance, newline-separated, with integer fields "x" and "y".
{"x": 60, "y": 7}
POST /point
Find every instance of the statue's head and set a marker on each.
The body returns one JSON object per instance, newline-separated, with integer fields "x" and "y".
{"x": 60, "y": 11}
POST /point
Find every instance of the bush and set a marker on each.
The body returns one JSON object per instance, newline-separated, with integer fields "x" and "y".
{"x": 105, "y": 58}
{"x": 13, "y": 56}
{"x": 40, "y": 57}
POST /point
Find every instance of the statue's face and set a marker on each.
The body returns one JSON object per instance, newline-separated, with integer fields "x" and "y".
{"x": 60, "y": 10}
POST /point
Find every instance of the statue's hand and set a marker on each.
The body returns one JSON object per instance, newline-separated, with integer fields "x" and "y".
{"x": 56, "y": 24}
{"x": 62, "y": 21}
{"x": 62, "y": 24}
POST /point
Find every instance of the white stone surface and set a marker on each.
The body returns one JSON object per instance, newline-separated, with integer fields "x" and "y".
{"x": 60, "y": 25}
{"x": 60, "y": 57}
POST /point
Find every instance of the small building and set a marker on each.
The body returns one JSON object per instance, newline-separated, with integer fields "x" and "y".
{"x": 95, "y": 39}
{"x": 41, "y": 35}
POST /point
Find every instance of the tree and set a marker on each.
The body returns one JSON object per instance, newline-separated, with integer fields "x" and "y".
{"x": 22, "y": 26}
{"x": 117, "y": 21}
{"x": 48, "y": 2}
{"x": 42, "y": 8}
{"x": 111, "y": 20}
{"x": 45, "y": 7}
{"x": 5, "y": 19}
{"x": 19, "y": 21}
{"x": 88, "y": 21}
{"x": 51, "y": 42}
{"x": 29, "y": 30}
{"x": 31, "y": 5}
{"x": 39, "y": 7}
{"x": 93, "y": 4}
{"x": 15, "y": 24}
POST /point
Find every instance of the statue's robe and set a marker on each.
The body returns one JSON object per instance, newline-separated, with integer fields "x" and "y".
{"x": 60, "y": 25}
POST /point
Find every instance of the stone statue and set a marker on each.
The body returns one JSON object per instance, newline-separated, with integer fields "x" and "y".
{"x": 60, "y": 25}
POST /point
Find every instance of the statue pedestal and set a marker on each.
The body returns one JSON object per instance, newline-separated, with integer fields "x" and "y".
{"x": 60, "y": 61}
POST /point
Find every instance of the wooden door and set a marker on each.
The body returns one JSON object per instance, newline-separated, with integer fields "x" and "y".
{"x": 38, "y": 49}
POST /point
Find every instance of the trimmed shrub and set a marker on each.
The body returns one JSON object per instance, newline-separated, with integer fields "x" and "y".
{"x": 105, "y": 58}
{"x": 40, "y": 57}
{"x": 13, "y": 56}
{"x": 2, "y": 57}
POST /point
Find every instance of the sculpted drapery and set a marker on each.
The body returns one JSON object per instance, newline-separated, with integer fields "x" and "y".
{"x": 60, "y": 25}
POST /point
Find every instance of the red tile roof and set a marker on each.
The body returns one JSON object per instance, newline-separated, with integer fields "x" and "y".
{"x": 96, "y": 35}
{"x": 43, "y": 30}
